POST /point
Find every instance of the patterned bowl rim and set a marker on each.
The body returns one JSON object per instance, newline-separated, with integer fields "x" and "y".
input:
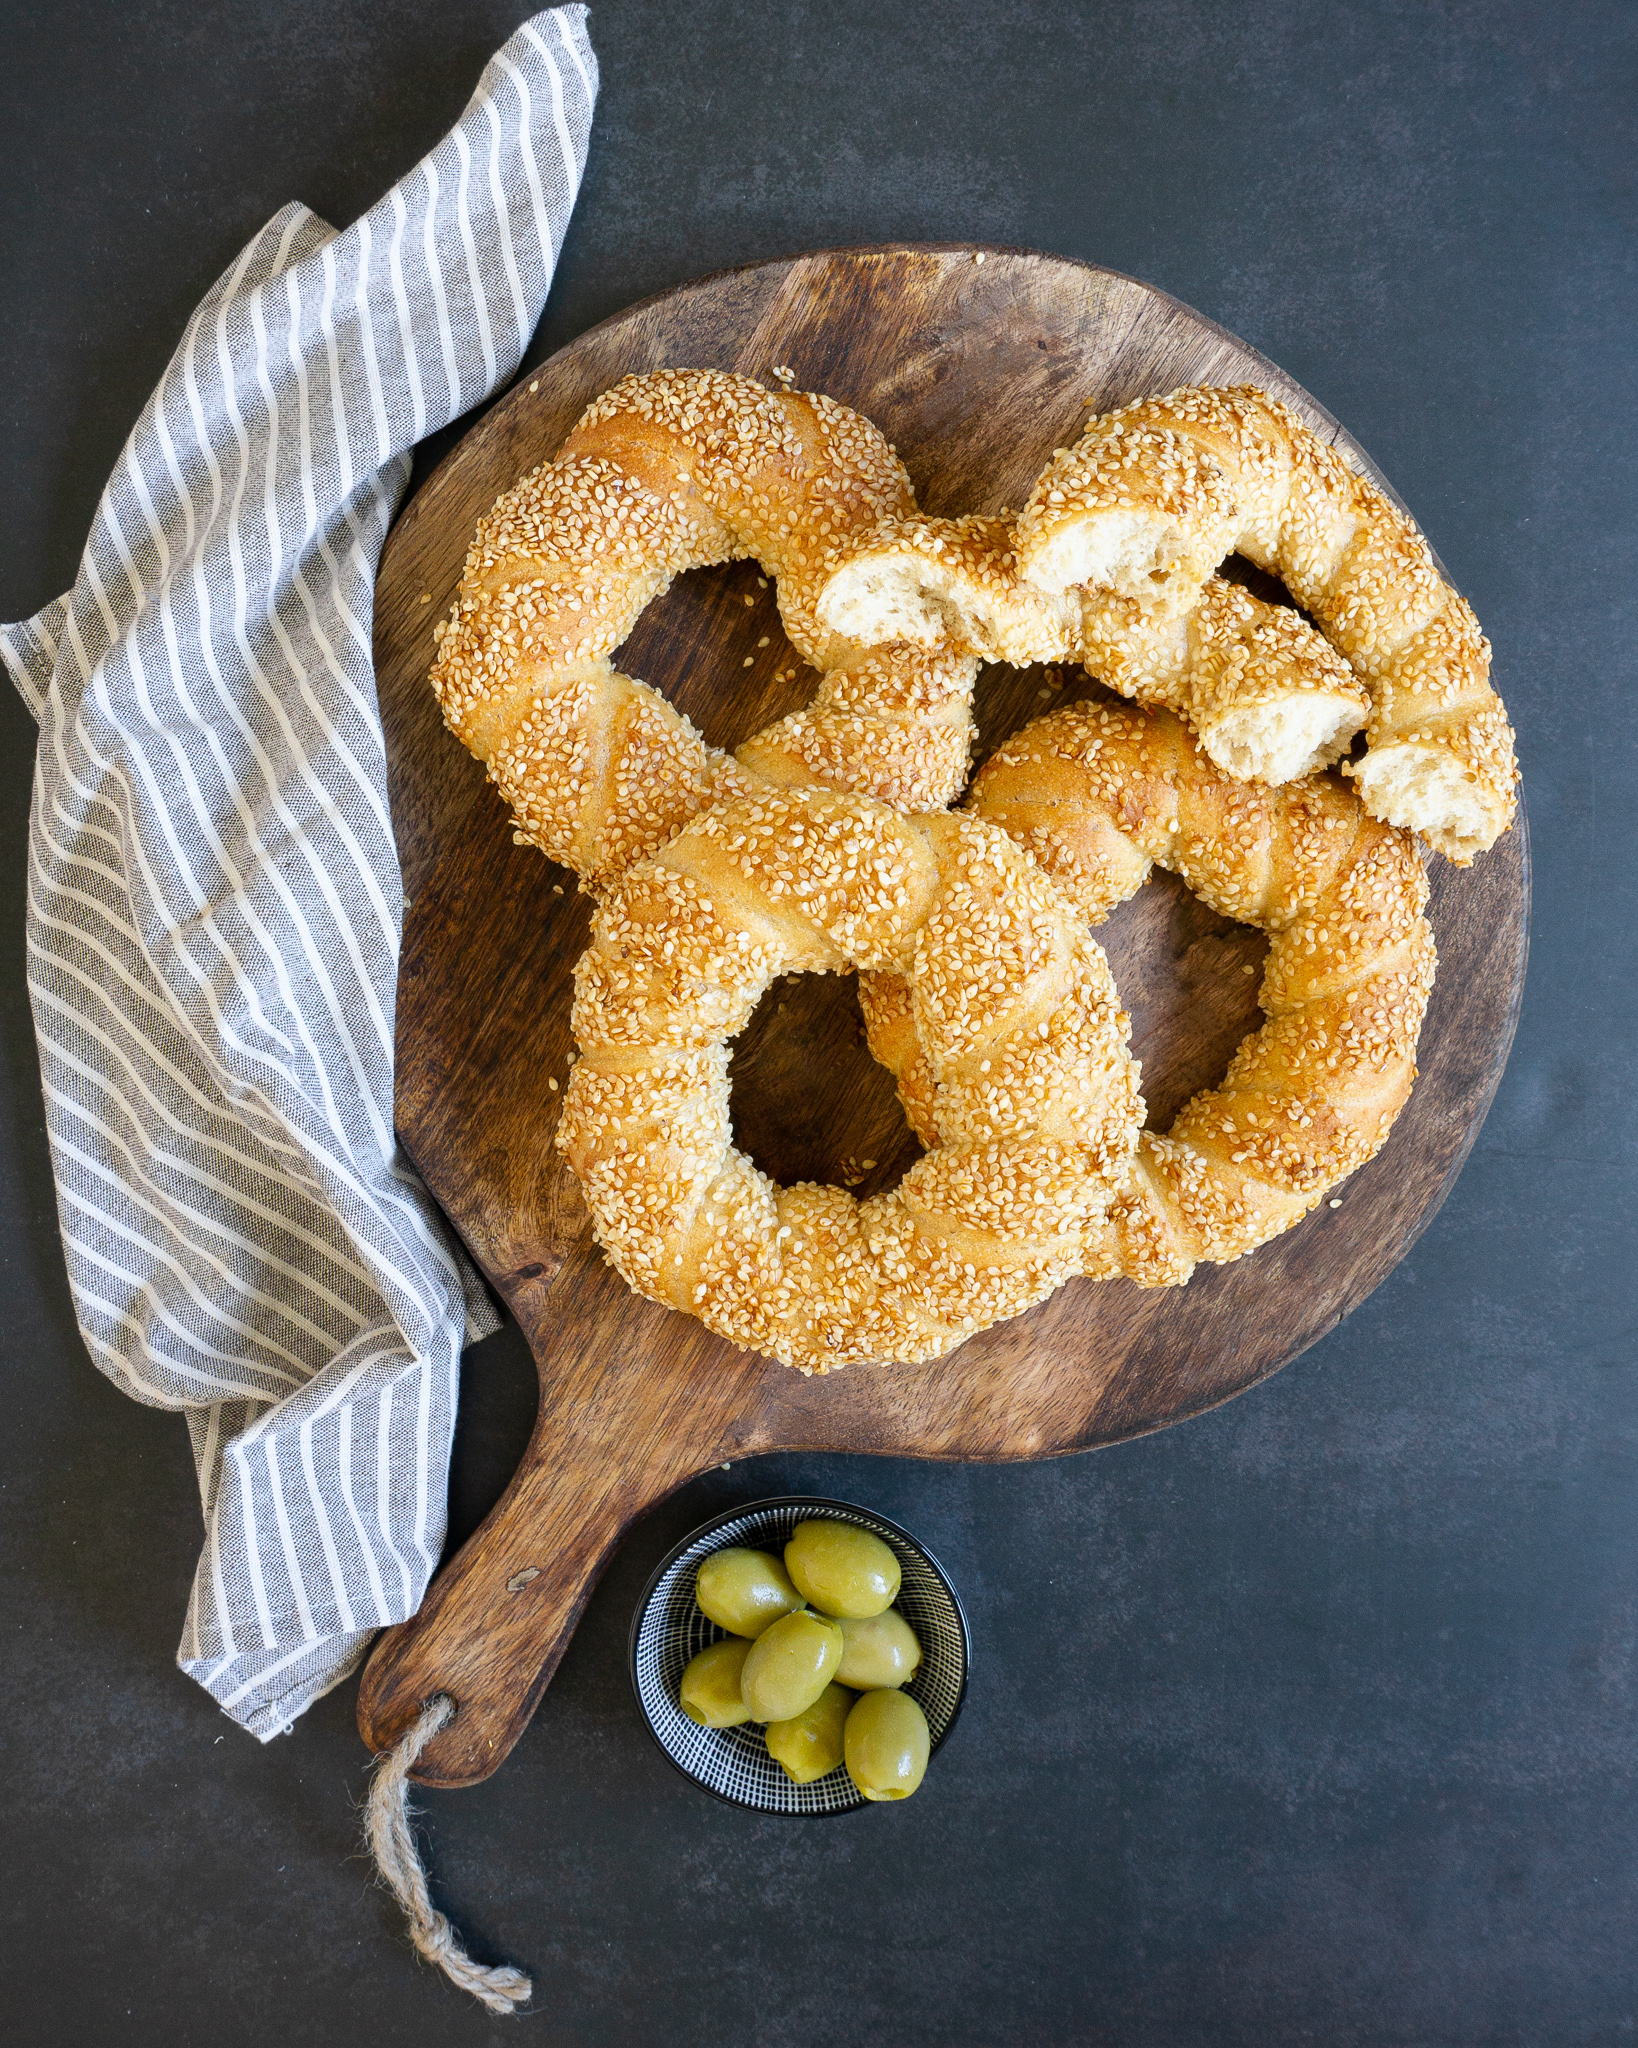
{"x": 784, "y": 1502}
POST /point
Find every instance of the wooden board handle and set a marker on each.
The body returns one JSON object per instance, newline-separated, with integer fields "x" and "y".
{"x": 607, "y": 1444}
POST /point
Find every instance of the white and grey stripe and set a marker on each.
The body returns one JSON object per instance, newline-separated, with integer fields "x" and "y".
{"x": 214, "y": 897}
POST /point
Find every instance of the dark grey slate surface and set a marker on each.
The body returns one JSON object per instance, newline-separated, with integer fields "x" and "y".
{"x": 1313, "y": 1720}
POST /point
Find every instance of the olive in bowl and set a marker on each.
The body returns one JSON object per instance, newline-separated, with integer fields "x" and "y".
{"x": 809, "y": 1745}
{"x": 743, "y": 1590}
{"x": 790, "y": 1664}
{"x": 842, "y": 1569}
{"x": 885, "y": 1745}
{"x": 878, "y": 1650}
{"x": 711, "y": 1691}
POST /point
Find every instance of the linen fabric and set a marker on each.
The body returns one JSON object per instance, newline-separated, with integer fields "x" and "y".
{"x": 215, "y": 905}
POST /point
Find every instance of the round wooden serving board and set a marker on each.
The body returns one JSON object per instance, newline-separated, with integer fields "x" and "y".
{"x": 976, "y": 364}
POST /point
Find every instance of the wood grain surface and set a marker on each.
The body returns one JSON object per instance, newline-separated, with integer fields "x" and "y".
{"x": 976, "y": 370}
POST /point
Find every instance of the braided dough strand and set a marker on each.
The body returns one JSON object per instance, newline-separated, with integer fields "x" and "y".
{"x": 675, "y": 470}
{"x": 1098, "y": 796}
{"x": 1152, "y": 497}
{"x": 1028, "y": 1089}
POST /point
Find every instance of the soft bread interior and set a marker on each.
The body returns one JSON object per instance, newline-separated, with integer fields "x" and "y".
{"x": 1279, "y": 742}
{"x": 1131, "y": 552}
{"x": 887, "y": 597}
{"x": 1424, "y": 787}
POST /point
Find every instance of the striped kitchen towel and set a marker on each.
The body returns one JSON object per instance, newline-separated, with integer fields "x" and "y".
{"x": 215, "y": 905}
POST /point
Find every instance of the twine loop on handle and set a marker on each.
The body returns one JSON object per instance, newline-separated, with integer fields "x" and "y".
{"x": 390, "y": 1832}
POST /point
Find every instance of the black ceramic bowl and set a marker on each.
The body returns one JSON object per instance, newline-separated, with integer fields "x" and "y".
{"x": 668, "y": 1629}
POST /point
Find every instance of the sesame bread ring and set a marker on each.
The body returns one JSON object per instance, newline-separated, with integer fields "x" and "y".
{"x": 1267, "y": 696}
{"x": 1026, "y": 1083}
{"x": 1099, "y": 794}
{"x": 1151, "y": 498}
{"x": 665, "y": 472}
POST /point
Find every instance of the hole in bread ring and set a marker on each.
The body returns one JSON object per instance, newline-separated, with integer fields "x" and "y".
{"x": 677, "y": 470}
{"x": 1099, "y": 794}
{"x": 1020, "y": 1076}
{"x": 808, "y": 1099}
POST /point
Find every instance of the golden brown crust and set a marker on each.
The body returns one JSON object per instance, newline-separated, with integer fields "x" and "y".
{"x": 894, "y": 722}
{"x": 1098, "y": 795}
{"x": 675, "y": 470}
{"x": 1013, "y": 1051}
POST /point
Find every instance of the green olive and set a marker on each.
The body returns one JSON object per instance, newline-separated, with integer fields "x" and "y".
{"x": 710, "y": 1690}
{"x": 810, "y": 1743}
{"x": 744, "y": 1590}
{"x": 841, "y": 1569}
{"x": 878, "y": 1650}
{"x": 885, "y": 1745}
{"x": 790, "y": 1664}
